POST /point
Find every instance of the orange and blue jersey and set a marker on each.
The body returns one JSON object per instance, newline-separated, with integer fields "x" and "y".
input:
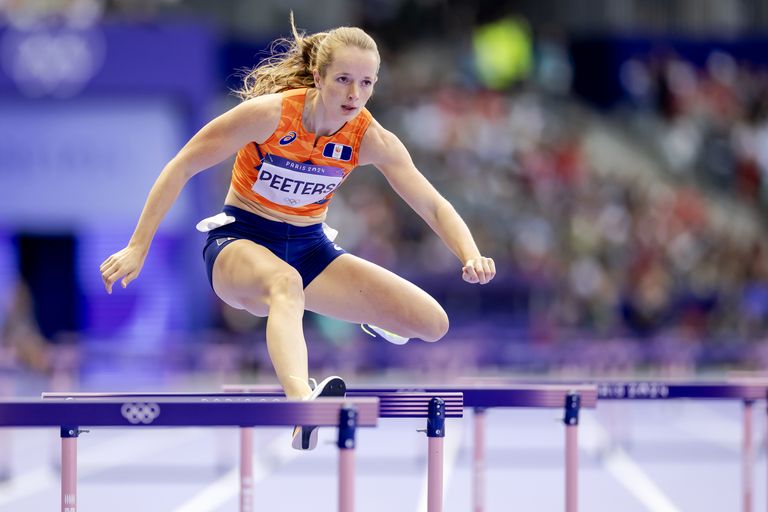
{"x": 291, "y": 172}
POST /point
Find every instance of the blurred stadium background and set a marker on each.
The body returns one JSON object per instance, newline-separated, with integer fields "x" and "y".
{"x": 610, "y": 155}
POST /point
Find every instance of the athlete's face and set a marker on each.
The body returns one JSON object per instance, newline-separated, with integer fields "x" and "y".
{"x": 348, "y": 81}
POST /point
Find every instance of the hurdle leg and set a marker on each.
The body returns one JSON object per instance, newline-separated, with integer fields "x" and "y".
{"x": 435, "y": 475}
{"x": 69, "y": 469}
{"x": 246, "y": 469}
{"x": 747, "y": 457}
{"x": 63, "y": 378}
{"x": 571, "y": 420}
{"x": 478, "y": 467}
{"x": 346, "y": 444}
{"x": 435, "y": 436}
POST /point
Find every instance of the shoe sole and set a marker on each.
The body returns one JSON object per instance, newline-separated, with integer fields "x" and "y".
{"x": 331, "y": 387}
{"x": 373, "y": 332}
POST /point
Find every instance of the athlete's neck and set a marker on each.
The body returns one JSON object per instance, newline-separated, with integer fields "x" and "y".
{"x": 316, "y": 119}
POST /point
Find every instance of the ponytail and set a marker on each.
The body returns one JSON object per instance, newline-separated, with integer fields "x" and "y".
{"x": 292, "y": 62}
{"x": 289, "y": 65}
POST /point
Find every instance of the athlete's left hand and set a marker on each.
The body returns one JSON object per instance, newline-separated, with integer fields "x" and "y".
{"x": 478, "y": 270}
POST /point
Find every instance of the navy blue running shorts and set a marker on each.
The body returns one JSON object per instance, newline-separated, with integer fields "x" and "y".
{"x": 305, "y": 248}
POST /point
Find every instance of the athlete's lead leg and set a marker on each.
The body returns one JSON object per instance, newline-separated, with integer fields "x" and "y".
{"x": 359, "y": 291}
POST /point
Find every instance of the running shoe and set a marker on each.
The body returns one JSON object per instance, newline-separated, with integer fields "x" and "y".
{"x": 305, "y": 436}
{"x": 378, "y": 332}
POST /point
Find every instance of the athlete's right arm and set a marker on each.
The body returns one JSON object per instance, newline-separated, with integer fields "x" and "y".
{"x": 252, "y": 120}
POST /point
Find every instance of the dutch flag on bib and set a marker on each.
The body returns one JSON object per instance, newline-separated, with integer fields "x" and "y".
{"x": 337, "y": 151}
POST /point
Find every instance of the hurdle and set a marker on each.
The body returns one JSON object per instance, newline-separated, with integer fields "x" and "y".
{"x": 569, "y": 397}
{"x": 433, "y": 405}
{"x": 748, "y": 391}
{"x": 72, "y": 413}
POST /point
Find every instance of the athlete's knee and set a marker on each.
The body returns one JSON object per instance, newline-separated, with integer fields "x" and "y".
{"x": 438, "y": 325}
{"x": 286, "y": 286}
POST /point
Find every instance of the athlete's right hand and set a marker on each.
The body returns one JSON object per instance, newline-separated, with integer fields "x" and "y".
{"x": 125, "y": 263}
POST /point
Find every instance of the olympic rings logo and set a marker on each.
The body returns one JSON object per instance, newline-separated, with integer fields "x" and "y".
{"x": 137, "y": 413}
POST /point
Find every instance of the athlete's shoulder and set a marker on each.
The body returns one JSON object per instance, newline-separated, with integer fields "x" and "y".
{"x": 376, "y": 134}
{"x": 378, "y": 144}
{"x": 262, "y": 113}
{"x": 266, "y": 105}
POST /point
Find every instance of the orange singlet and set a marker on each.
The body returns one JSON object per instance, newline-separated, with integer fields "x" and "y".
{"x": 290, "y": 172}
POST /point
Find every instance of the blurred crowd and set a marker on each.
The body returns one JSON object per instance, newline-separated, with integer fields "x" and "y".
{"x": 709, "y": 122}
{"x": 606, "y": 252}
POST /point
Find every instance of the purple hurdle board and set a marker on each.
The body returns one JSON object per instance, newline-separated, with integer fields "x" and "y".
{"x": 435, "y": 407}
{"x": 72, "y": 412}
{"x": 569, "y": 397}
{"x": 746, "y": 390}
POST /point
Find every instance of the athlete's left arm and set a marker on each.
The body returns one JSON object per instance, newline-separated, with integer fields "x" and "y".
{"x": 383, "y": 149}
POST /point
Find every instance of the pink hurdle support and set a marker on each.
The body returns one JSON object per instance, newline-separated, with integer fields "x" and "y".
{"x": 435, "y": 474}
{"x": 346, "y": 479}
{"x": 571, "y": 421}
{"x": 435, "y": 434}
{"x": 69, "y": 474}
{"x": 571, "y": 468}
{"x": 478, "y": 466}
{"x": 346, "y": 445}
{"x": 246, "y": 469}
{"x": 747, "y": 457}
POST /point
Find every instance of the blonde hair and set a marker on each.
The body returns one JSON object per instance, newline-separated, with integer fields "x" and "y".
{"x": 292, "y": 62}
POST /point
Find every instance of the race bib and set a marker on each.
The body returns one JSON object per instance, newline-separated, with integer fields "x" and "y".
{"x": 290, "y": 183}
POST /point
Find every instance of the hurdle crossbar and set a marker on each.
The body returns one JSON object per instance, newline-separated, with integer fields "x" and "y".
{"x": 670, "y": 390}
{"x": 393, "y": 403}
